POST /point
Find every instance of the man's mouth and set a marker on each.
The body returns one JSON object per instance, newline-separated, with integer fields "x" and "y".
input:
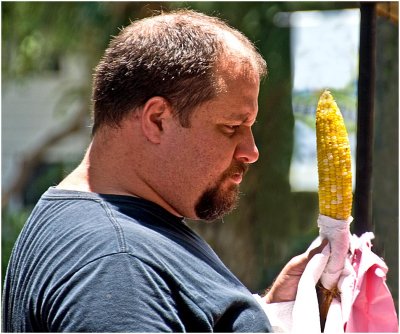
{"x": 237, "y": 178}
{"x": 237, "y": 171}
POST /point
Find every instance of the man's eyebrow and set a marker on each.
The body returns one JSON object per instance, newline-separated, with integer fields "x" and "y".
{"x": 244, "y": 118}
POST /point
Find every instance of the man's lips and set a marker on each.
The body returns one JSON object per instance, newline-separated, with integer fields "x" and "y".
{"x": 237, "y": 171}
{"x": 237, "y": 178}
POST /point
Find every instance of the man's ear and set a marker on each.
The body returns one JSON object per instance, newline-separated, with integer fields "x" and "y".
{"x": 154, "y": 114}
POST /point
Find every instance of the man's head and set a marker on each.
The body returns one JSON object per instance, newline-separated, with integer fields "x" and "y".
{"x": 173, "y": 55}
{"x": 191, "y": 82}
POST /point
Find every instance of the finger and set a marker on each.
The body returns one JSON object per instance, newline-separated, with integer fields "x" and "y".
{"x": 317, "y": 249}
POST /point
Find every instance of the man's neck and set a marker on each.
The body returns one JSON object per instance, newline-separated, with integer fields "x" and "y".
{"x": 99, "y": 172}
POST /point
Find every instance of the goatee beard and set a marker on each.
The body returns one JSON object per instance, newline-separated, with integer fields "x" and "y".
{"x": 216, "y": 201}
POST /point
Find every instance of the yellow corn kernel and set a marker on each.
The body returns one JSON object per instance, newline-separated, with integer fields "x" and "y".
{"x": 334, "y": 160}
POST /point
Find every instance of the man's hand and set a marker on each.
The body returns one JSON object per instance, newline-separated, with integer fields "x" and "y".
{"x": 284, "y": 288}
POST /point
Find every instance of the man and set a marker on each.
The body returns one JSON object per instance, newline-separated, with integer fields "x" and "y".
{"x": 175, "y": 97}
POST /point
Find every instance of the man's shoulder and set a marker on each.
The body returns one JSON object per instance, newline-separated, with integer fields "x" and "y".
{"x": 91, "y": 226}
{"x": 124, "y": 223}
{"x": 75, "y": 213}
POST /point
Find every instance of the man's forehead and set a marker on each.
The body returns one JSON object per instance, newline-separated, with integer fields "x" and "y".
{"x": 235, "y": 68}
{"x": 229, "y": 78}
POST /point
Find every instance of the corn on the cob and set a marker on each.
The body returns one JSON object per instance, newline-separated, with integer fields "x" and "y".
{"x": 334, "y": 160}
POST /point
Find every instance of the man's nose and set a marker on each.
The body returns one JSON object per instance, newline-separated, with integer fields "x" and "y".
{"x": 246, "y": 150}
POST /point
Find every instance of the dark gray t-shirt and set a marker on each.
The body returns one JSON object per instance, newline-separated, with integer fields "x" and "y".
{"x": 86, "y": 262}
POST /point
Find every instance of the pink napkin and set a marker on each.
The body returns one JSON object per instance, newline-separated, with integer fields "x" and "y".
{"x": 372, "y": 307}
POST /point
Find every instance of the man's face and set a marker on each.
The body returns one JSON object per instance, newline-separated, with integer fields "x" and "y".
{"x": 204, "y": 163}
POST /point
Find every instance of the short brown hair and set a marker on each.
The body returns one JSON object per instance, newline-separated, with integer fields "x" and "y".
{"x": 172, "y": 55}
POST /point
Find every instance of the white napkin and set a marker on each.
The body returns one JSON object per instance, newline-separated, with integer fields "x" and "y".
{"x": 338, "y": 234}
{"x": 305, "y": 310}
{"x": 302, "y": 315}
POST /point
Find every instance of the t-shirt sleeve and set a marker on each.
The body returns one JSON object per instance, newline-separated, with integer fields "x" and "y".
{"x": 115, "y": 293}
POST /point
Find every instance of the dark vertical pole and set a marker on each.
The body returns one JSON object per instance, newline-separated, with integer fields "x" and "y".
{"x": 365, "y": 120}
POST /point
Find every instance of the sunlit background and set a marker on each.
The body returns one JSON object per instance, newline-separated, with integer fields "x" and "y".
{"x": 321, "y": 60}
{"x": 50, "y": 48}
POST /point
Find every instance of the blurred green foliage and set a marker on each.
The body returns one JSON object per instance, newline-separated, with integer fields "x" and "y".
{"x": 36, "y": 34}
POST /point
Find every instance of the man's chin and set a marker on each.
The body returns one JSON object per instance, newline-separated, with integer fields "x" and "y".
{"x": 217, "y": 202}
